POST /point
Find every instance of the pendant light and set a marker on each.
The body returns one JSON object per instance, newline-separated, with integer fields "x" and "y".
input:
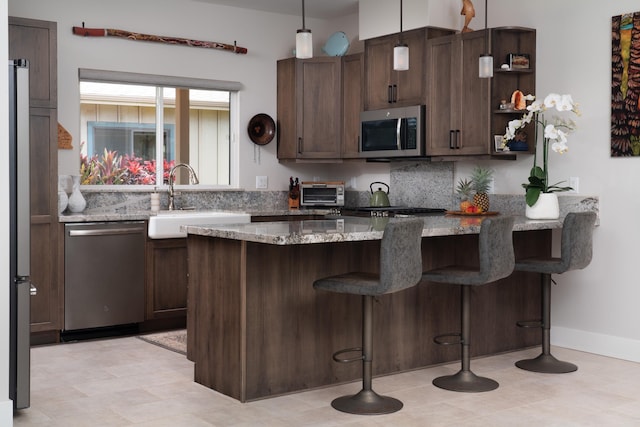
{"x": 485, "y": 65}
{"x": 304, "y": 42}
{"x": 401, "y": 51}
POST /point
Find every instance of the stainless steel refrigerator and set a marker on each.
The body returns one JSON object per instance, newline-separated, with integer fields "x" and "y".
{"x": 20, "y": 218}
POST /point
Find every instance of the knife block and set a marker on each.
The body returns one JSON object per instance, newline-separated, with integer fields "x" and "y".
{"x": 294, "y": 198}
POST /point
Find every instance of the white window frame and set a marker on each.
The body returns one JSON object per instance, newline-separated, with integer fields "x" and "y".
{"x": 159, "y": 81}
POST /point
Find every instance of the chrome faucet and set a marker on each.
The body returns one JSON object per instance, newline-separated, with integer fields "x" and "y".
{"x": 193, "y": 179}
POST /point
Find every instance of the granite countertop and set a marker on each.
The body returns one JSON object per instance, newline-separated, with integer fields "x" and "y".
{"x": 104, "y": 216}
{"x": 350, "y": 229}
{"x": 137, "y": 215}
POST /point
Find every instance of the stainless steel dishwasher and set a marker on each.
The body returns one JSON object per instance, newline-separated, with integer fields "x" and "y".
{"x": 104, "y": 274}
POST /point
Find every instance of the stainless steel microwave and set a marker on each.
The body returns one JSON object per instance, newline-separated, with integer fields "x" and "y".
{"x": 329, "y": 193}
{"x": 394, "y": 132}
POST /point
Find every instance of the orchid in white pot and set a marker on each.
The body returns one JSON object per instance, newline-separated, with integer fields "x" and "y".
{"x": 555, "y": 131}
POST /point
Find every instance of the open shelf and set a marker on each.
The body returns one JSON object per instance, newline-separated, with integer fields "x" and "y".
{"x": 506, "y": 41}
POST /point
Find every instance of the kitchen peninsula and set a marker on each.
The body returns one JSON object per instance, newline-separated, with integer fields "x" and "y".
{"x": 257, "y": 328}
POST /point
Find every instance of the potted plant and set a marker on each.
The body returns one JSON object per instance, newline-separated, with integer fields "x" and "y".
{"x": 554, "y": 134}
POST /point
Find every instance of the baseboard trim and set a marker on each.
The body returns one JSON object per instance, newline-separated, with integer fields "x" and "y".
{"x": 590, "y": 342}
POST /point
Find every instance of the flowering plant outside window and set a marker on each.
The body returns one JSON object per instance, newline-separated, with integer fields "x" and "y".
{"x": 115, "y": 169}
{"x": 555, "y": 132}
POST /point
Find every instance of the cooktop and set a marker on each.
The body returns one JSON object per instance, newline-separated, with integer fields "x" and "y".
{"x": 390, "y": 211}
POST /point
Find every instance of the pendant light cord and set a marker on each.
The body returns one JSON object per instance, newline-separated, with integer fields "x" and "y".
{"x": 303, "y": 27}
{"x": 400, "y": 18}
{"x": 486, "y": 34}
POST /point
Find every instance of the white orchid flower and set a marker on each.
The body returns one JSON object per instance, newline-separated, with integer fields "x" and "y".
{"x": 529, "y": 97}
{"x": 509, "y": 135}
{"x": 550, "y": 132}
{"x": 535, "y": 107}
{"x": 514, "y": 125}
{"x": 552, "y": 100}
{"x": 565, "y": 104}
{"x": 560, "y": 147}
{"x": 526, "y": 119}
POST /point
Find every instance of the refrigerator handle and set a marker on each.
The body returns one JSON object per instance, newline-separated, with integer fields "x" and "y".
{"x": 23, "y": 214}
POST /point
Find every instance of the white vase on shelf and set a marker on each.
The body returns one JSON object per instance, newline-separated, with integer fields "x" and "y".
{"x": 63, "y": 198}
{"x": 546, "y": 207}
{"x": 77, "y": 203}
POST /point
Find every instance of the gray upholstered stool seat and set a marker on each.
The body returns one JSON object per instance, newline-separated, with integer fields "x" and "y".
{"x": 575, "y": 253}
{"x": 400, "y": 268}
{"x": 496, "y": 261}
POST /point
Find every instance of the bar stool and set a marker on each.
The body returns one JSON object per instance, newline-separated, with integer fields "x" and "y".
{"x": 575, "y": 253}
{"x": 400, "y": 268}
{"x": 496, "y": 262}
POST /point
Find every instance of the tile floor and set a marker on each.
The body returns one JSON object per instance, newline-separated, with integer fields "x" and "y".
{"x": 129, "y": 382}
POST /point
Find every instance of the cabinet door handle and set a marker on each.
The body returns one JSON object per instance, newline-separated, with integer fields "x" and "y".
{"x": 389, "y": 94}
{"x": 458, "y": 144}
{"x": 395, "y": 93}
{"x": 451, "y": 145}
{"x": 300, "y": 145}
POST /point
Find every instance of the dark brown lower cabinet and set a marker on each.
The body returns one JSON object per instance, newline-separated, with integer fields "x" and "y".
{"x": 166, "y": 280}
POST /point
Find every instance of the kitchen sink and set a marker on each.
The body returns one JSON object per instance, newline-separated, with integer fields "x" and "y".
{"x": 166, "y": 224}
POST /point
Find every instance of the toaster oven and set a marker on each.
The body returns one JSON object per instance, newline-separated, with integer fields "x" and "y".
{"x": 329, "y": 193}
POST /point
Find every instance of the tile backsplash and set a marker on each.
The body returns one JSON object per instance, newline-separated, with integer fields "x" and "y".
{"x": 414, "y": 184}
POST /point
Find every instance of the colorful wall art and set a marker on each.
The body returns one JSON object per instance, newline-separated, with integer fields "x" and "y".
{"x": 625, "y": 85}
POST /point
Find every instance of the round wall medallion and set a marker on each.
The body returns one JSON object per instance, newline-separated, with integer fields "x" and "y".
{"x": 261, "y": 129}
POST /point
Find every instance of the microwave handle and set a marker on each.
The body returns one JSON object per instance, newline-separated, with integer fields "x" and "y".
{"x": 399, "y": 134}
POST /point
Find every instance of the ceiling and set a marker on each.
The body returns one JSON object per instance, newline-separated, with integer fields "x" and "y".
{"x": 321, "y": 9}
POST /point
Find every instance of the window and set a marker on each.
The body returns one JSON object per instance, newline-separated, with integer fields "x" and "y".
{"x": 130, "y": 138}
{"x": 134, "y": 132}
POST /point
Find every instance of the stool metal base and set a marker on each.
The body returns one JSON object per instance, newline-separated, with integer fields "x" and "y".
{"x": 546, "y": 364}
{"x": 367, "y": 402}
{"x": 466, "y": 381}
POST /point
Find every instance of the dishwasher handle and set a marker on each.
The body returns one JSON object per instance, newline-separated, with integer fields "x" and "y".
{"x": 106, "y": 232}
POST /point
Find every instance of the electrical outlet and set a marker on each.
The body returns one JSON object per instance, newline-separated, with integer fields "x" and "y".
{"x": 574, "y": 182}
{"x": 262, "y": 182}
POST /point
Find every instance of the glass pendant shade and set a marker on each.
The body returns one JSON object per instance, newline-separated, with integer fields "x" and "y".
{"x": 401, "y": 57}
{"x": 304, "y": 44}
{"x": 485, "y": 66}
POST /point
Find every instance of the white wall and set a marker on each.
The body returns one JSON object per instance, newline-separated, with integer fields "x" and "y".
{"x": 380, "y": 17}
{"x": 6, "y": 406}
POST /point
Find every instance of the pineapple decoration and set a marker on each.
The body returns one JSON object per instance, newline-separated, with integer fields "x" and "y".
{"x": 465, "y": 190}
{"x": 480, "y": 182}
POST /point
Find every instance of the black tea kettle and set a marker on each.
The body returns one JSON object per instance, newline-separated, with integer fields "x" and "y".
{"x": 379, "y": 199}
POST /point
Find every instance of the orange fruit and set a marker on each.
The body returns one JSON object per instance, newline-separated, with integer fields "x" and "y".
{"x": 464, "y": 205}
